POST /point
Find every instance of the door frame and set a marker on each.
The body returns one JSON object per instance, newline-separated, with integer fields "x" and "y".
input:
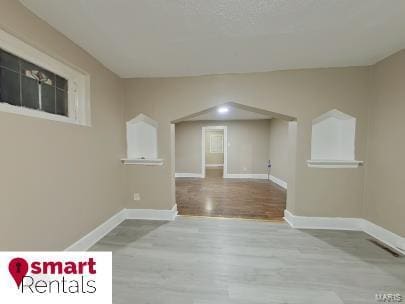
{"x": 204, "y": 130}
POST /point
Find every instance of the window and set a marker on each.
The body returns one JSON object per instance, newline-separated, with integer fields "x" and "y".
{"x": 27, "y": 85}
{"x": 35, "y": 84}
{"x": 216, "y": 143}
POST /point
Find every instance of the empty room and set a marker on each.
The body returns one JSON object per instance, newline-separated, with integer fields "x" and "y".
{"x": 202, "y": 152}
{"x": 246, "y": 177}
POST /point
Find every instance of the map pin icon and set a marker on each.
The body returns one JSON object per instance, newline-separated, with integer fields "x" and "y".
{"x": 18, "y": 268}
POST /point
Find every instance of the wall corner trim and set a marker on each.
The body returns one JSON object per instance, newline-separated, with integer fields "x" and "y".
{"x": 279, "y": 181}
{"x": 86, "y": 242}
{"x": 98, "y": 233}
{"x": 354, "y": 224}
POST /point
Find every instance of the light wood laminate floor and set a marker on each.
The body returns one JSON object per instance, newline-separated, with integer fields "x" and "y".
{"x": 195, "y": 260}
{"x": 216, "y": 196}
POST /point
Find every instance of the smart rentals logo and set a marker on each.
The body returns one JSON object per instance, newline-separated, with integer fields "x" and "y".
{"x": 19, "y": 267}
{"x": 47, "y": 277}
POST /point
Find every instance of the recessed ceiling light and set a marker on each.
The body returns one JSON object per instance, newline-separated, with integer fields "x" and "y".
{"x": 223, "y": 110}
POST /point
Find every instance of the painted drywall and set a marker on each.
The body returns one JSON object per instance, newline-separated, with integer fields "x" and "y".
{"x": 188, "y": 147}
{"x": 213, "y": 158}
{"x": 304, "y": 94}
{"x": 278, "y": 148}
{"x": 248, "y": 145}
{"x": 59, "y": 181}
{"x": 384, "y": 200}
{"x": 62, "y": 180}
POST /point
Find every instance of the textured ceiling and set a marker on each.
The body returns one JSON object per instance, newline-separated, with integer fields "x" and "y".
{"x": 234, "y": 113}
{"x": 162, "y": 38}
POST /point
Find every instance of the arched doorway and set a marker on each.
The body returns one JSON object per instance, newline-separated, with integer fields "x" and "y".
{"x": 234, "y": 160}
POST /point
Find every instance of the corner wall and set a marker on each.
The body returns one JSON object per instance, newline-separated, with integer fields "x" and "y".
{"x": 279, "y": 148}
{"x": 58, "y": 181}
{"x": 384, "y": 202}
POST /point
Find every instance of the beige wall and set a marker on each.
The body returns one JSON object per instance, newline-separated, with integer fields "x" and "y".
{"x": 304, "y": 94}
{"x": 62, "y": 180}
{"x": 385, "y": 167}
{"x": 212, "y": 158}
{"x": 278, "y": 150}
{"x": 248, "y": 145}
{"x": 188, "y": 147}
{"x": 59, "y": 181}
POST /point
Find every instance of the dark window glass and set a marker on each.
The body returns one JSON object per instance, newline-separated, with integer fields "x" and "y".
{"x": 23, "y": 83}
{"x": 33, "y": 71}
{"x": 61, "y": 83}
{"x": 61, "y": 102}
{"x": 30, "y": 96}
{"x": 48, "y": 98}
{"x": 9, "y": 61}
{"x": 9, "y": 87}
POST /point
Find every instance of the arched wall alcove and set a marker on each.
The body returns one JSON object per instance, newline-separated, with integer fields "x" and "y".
{"x": 142, "y": 142}
{"x": 333, "y": 141}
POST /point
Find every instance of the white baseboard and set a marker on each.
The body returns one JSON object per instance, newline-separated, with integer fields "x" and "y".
{"x": 98, "y": 233}
{"x": 389, "y": 238}
{"x": 355, "y": 224}
{"x": 274, "y": 179}
{"x": 214, "y": 165}
{"x": 196, "y": 175}
{"x": 258, "y": 176}
{"x": 278, "y": 181}
{"x": 86, "y": 242}
{"x": 151, "y": 214}
{"x": 246, "y": 175}
{"x": 311, "y": 222}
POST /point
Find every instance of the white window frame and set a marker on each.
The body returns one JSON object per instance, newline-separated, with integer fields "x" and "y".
{"x": 214, "y": 137}
{"x": 204, "y": 130}
{"x": 78, "y": 83}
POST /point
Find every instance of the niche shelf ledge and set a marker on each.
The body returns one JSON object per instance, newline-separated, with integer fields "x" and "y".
{"x": 334, "y": 163}
{"x": 143, "y": 161}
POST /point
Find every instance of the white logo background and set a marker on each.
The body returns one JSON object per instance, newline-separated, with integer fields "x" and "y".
{"x": 9, "y": 293}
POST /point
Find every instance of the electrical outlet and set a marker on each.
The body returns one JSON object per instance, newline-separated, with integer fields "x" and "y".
{"x": 137, "y": 197}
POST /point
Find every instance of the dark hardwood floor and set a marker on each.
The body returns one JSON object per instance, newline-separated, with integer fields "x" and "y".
{"x": 219, "y": 197}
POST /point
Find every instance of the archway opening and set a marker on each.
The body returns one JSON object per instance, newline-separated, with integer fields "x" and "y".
{"x": 234, "y": 160}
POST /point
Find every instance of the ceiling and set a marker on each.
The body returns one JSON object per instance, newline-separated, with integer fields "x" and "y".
{"x": 164, "y": 38}
{"x": 234, "y": 113}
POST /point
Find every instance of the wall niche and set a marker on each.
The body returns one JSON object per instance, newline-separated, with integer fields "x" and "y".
{"x": 142, "y": 143}
{"x": 333, "y": 141}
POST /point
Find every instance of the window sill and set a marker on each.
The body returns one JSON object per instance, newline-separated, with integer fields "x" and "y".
{"x": 8, "y": 108}
{"x": 145, "y": 162}
{"x": 334, "y": 164}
